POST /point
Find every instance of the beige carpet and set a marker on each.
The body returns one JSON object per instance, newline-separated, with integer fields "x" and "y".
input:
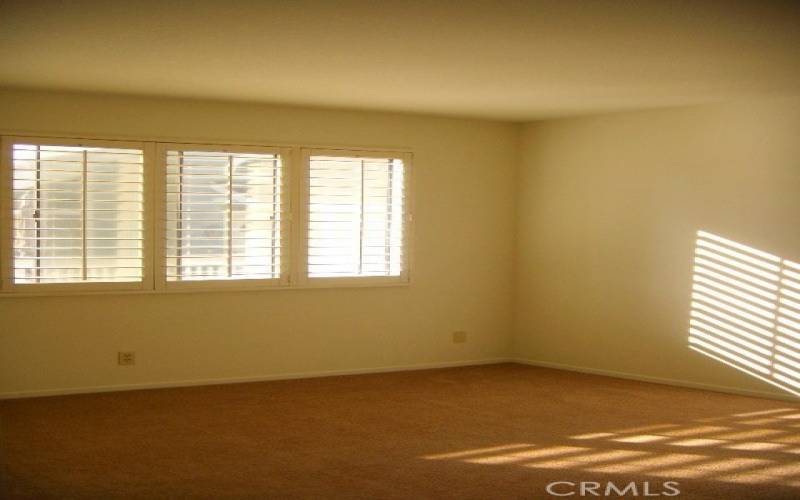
{"x": 490, "y": 432}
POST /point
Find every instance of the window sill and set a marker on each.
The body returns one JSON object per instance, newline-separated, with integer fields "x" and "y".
{"x": 211, "y": 289}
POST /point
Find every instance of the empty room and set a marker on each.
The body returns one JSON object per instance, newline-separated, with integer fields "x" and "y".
{"x": 399, "y": 250}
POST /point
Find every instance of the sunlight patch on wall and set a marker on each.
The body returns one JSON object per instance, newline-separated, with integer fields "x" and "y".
{"x": 746, "y": 310}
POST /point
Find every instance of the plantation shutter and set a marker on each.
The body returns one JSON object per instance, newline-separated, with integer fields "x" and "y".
{"x": 223, "y": 215}
{"x": 355, "y": 216}
{"x": 77, "y": 214}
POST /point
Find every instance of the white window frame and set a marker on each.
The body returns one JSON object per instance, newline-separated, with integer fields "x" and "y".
{"x": 6, "y": 215}
{"x": 161, "y": 282}
{"x": 303, "y": 214}
{"x": 294, "y": 239}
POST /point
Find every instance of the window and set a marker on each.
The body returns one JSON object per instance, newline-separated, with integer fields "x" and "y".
{"x": 81, "y": 215}
{"x": 223, "y": 211}
{"x": 356, "y": 216}
{"x": 77, "y": 213}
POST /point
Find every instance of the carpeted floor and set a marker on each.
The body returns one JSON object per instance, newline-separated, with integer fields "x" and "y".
{"x": 488, "y": 432}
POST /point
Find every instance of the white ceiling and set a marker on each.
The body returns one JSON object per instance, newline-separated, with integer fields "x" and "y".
{"x": 510, "y": 60}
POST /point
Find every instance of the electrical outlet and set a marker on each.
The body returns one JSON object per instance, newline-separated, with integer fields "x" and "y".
{"x": 459, "y": 337}
{"x": 126, "y": 358}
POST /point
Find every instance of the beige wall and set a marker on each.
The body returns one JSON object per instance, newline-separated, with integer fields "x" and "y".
{"x": 464, "y": 192}
{"x": 608, "y": 210}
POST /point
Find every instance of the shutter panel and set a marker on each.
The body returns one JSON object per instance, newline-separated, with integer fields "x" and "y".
{"x": 223, "y": 215}
{"x": 77, "y": 214}
{"x": 355, "y": 216}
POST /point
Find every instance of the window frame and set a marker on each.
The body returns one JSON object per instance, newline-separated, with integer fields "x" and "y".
{"x": 303, "y": 223}
{"x": 295, "y": 172}
{"x": 7, "y": 216}
{"x": 161, "y": 282}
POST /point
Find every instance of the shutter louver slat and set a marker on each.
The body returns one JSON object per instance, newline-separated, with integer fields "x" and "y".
{"x": 223, "y": 216}
{"x": 355, "y": 217}
{"x": 57, "y": 192}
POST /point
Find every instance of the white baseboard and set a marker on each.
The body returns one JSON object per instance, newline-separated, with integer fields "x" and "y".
{"x": 395, "y": 368}
{"x": 658, "y": 380}
{"x": 241, "y": 380}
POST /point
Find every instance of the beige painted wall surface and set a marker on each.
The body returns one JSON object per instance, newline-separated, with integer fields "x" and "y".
{"x": 462, "y": 275}
{"x": 608, "y": 211}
